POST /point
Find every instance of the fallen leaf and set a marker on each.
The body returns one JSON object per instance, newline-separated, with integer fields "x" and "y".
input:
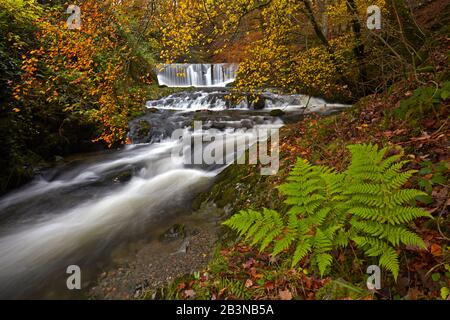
{"x": 248, "y": 264}
{"x": 285, "y": 295}
{"x": 269, "y": 285}
{"x": 248, "y": 283}
{"x": 189, "y": 294}
{"x": 436, "y": 250}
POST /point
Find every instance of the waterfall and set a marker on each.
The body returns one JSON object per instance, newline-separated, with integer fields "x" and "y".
{"x": 216, "y": 100}
{"x": 197, "y": 75}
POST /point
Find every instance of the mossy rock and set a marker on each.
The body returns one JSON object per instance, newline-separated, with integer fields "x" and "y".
{"x": 123, "y": 177}
{"x": 143, "y": 129}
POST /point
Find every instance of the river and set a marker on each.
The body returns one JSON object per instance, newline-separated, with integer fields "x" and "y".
{"x": 79, "y": 212}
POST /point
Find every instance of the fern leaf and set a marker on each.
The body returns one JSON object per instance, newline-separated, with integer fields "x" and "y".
{"x": 324, "y": 260}
{"x": 389, "y": 260}
{"x": 304, "y": 246}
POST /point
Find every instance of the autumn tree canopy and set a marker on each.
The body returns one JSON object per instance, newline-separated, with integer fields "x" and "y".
{"x": 319, "y": 47}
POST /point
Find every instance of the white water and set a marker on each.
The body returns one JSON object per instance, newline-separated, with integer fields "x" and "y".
{"x": 217, "y": 101}
{"x": 28, "y": 245}
{"x": 45, "y": 240}
{"x": 197, "y": 75}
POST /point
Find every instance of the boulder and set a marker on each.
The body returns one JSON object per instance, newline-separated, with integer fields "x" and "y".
{"x": 277, "y": 113}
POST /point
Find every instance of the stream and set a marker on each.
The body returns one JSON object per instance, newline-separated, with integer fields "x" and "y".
{"x": 92, "y": 208}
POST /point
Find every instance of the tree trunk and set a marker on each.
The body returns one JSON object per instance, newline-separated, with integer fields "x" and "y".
{"x": 358, "y": 49}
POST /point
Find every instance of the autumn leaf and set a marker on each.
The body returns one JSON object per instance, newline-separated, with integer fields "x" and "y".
{"x": 436, "y": 250}
{"x": 248, "y": 264}
{"x": 269, "y": 285}
{"x": 285, "y": 295}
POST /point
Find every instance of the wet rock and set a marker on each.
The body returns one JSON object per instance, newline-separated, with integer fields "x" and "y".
{"x": 277, "y": 113}
{"x": 219, "y": 125}
{"x": 177, "y": 231}
{"x": 143, "y": 129}
{"x": 152, "y": 110}
{"x": 123, "y": 177}
{"x": 257, "y": 103}
{"x": 183, "y": 248}
{"x": 247, "y": 124}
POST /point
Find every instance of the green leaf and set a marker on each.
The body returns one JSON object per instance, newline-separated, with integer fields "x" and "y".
{"x": 445, "y": 94}
{"x": 425, "y": 199}
{"x": 445, "y": 293}
{"x": 438, "y": 179}
{"x": 435, "y": 277}
{"x": 424, "y": 171}
{"x": 442, "y": 166}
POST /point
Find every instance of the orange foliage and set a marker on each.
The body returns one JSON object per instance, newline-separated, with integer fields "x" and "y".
{"x": 81, "y": 67}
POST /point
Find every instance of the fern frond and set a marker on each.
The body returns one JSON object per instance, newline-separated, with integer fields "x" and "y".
{"x": 323, "y": 260}
{"x": 401, "y": 215}
{"x": 342, "y": 239}
{"x": 389, "y": 260}
{"x": 243, "y": 220}
{"x": 271, "y": 226}
{"x": 365, "y": 188}
{"x": 321, "y": 242}
{"x": 398, "y": 180}
{"x": 394, "y": 234}
{"x": 304, "y": 246}
{"x": 404, "y": 196}
{"x": 368, "y": 213}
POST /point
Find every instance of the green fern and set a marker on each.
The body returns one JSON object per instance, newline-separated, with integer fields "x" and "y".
{"x": 378, "y": 204}
{"x": 365, "y": 205}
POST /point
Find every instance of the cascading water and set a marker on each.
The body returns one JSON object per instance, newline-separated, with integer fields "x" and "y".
{"x": 79, "y": 212}
{"x": 197, "y": 75}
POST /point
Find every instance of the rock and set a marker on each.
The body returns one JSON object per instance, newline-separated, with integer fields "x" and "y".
{"x": 257, "y": 103}
{"x": 219, "y": 125}
{"x": 177, "y": 231}
{"x": 143, "y": 129}
{"x": 277, "y": 113}
{"x": 123, "y": 177}
{"x": 184, "y": 247}
{"x": 247, "y": 124}
{"x": 152, "y": 110}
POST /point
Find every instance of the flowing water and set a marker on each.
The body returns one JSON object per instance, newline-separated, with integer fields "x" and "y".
{"x": 197, "y": 75}
{"x": 77, "y": 213}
